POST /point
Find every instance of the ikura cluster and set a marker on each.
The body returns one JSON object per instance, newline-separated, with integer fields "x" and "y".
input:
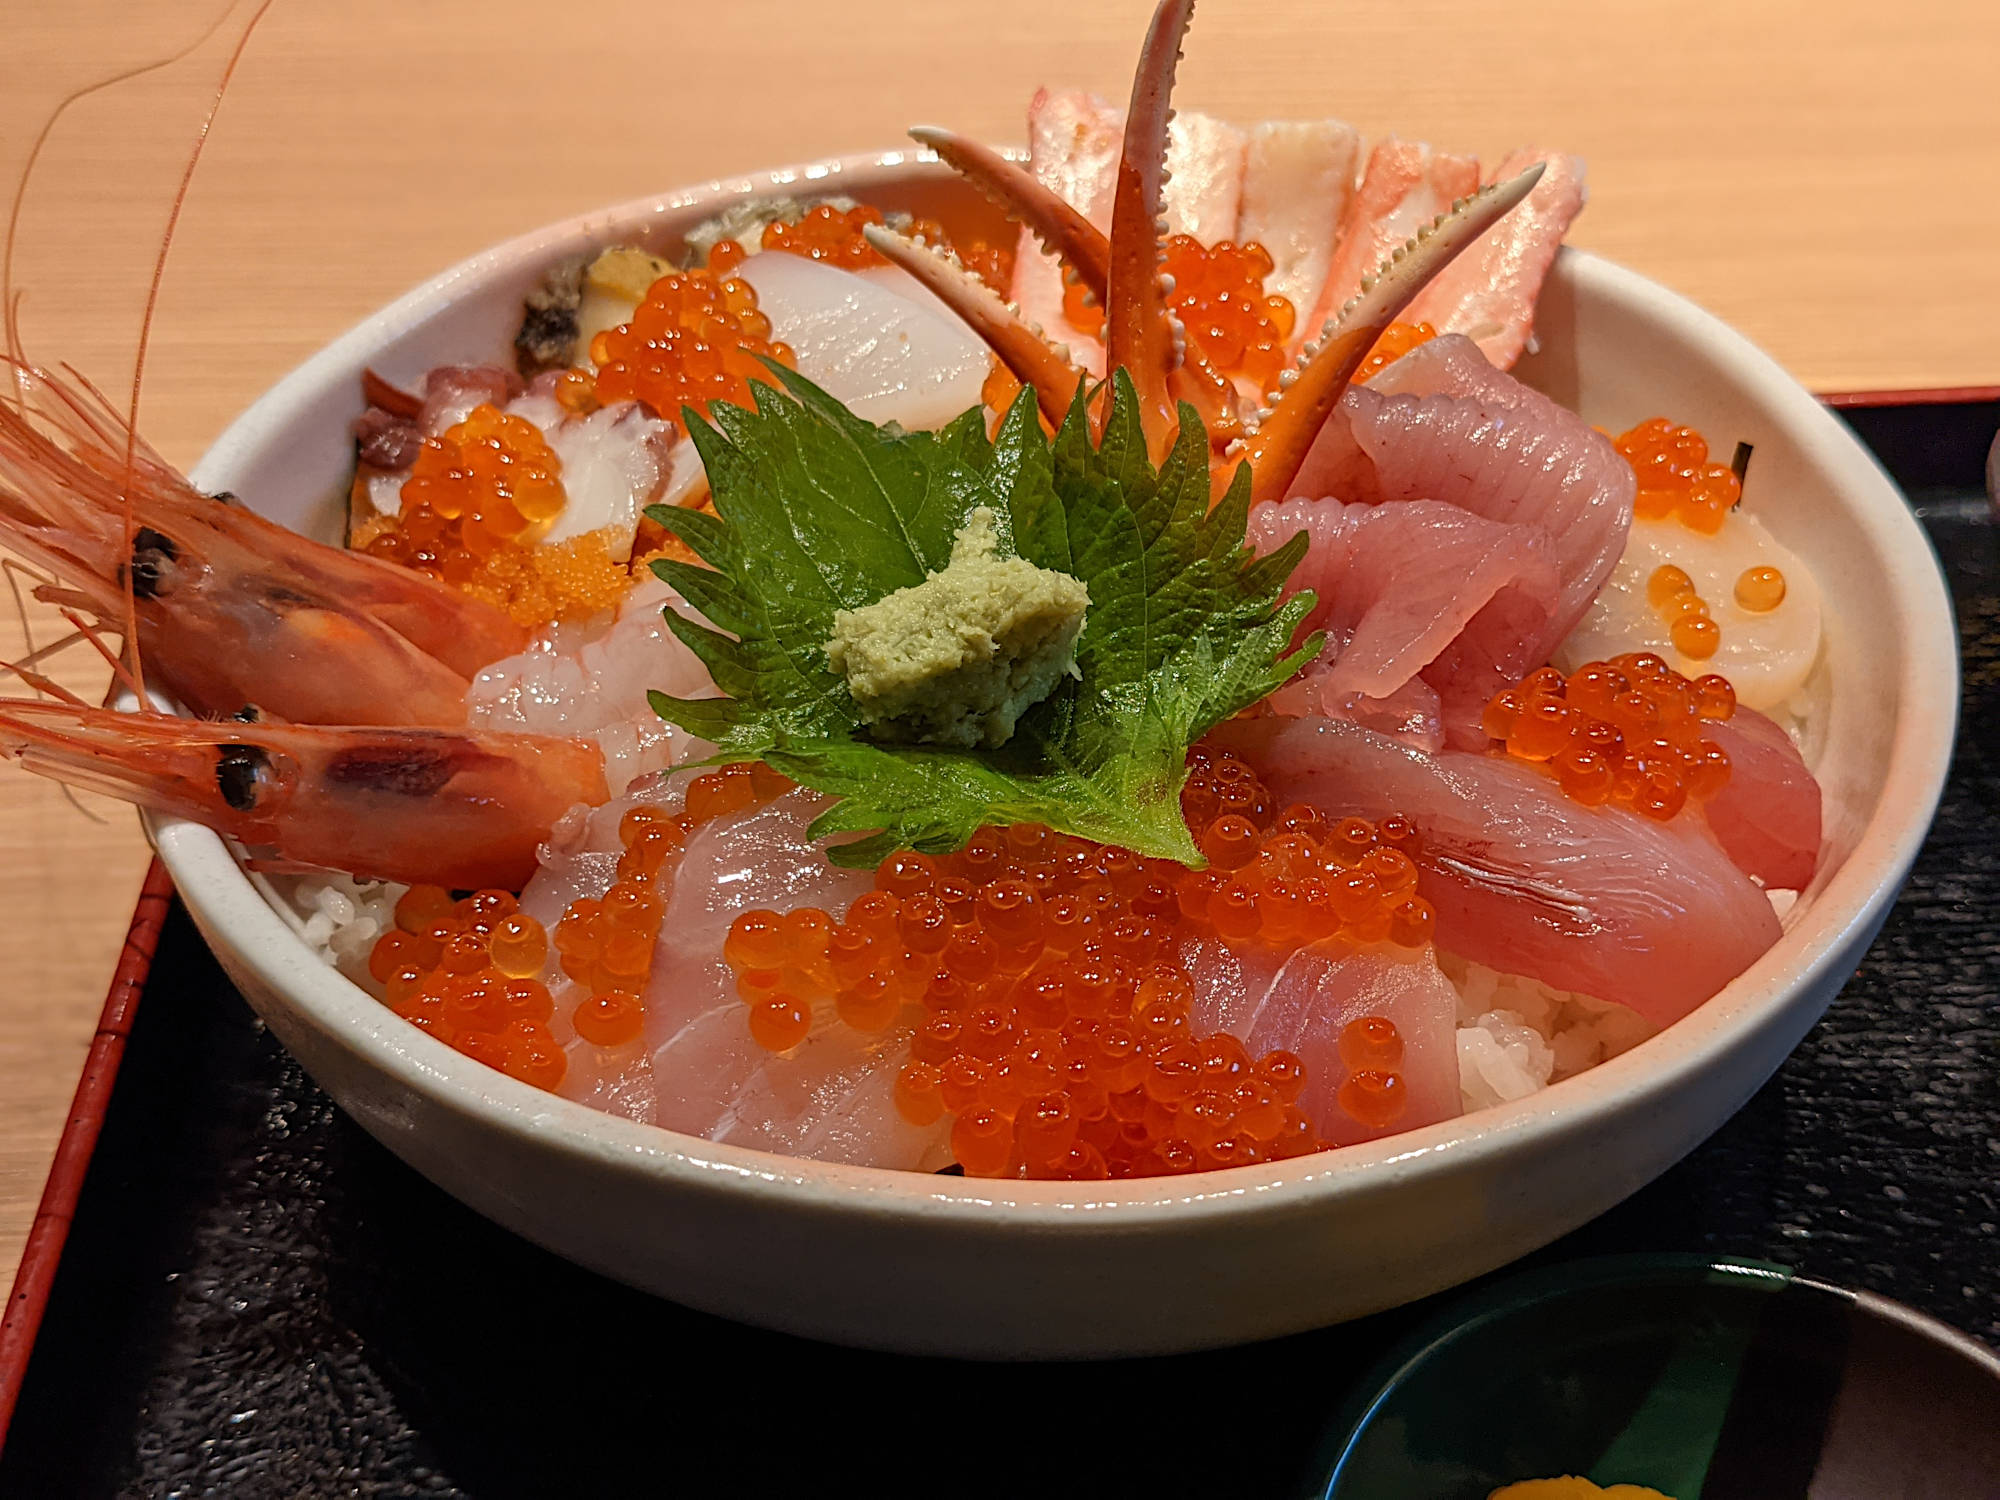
{"x": 1282, "y": 877}
{"x": 605, "y": 944}
{"x": 1675, "y": 477}
{"x": 478, "y": 496}
{"x": 466, "y": 971}
{"x": 1672, "y": 594}
{"x": 833, "y": 234}
{"x": 1627, "y": 730}
{"x": 1219, "y": 297}
{"x": 1397, "y": 340}
{"x": 696, "y": 338}
{"x": 1051, "y": 1019}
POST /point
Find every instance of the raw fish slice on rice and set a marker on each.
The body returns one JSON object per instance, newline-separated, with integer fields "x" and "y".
{"x": 1596, "y": 900}
{"x": 1302, "y": 1001}
{"x": 1503, "y": 452}
{"x": 1398, "y": 587}
{"x": 1767, "y": 815}
{"x": 697, "y": 1069}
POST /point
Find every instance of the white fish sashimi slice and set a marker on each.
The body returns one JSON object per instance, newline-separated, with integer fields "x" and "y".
{"x": 1597, "y": 900}
{"x": 1298, "y": 178}
{"x": 825, "y": 1098}
{"x": 1074, "y": 142}
{"x": 884, "y": 356}
{"x": 1489, "y": 292}
{"x": 578, "y": 683}
{"x": 1300, "y": 1001}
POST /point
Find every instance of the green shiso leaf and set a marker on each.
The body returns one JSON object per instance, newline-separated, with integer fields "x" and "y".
{"x": 818, "y": 510}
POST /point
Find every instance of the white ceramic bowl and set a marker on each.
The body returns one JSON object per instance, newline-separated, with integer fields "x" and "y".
{"x": 1015, "y": 1269}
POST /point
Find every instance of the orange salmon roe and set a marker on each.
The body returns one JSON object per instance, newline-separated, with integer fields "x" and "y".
{"x": 1232, "y": 325}
{"x": 834, "y": 235}
{"x": 465, "y": 971}
{"x": 1053, "y": 1023}
{"x": 476, "y": 499}
{"x": 1397, "y": 340}
{"x": 1694, "y": 633}
{"x": 1627, "y": 730}
{"x": 696, "y": 338}
{"x": 1760, "y": 590}
{"x": 1675, "y": 477}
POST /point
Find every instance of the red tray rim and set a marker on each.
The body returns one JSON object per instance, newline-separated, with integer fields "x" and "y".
{"x": 49, "y": 1231}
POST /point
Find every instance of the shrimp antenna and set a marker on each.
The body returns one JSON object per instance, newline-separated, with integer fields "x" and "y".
{"x": 8, "y": 295}
{"x": 146, "y": 332}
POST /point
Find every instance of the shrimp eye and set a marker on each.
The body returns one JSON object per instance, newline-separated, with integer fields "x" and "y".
{"x": 152, "y": 551}
{"x": 237, "y": 773}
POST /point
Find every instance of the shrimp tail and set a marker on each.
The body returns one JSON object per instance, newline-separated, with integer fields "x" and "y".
{"x": 452, "y": 808}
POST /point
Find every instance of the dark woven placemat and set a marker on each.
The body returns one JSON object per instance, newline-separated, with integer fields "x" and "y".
{"x": 259, "y": 1301}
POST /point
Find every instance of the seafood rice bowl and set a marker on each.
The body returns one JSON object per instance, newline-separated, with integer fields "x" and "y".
{"x": 1167, "y": 741}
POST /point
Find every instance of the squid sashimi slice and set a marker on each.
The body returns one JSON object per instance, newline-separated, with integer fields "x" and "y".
{"x": 1503, "y": 452}
{"x": 885, "y": 356}
{"x": 1398, "y": 586}
{"x": 616, "y": 461}
{"x": 1767, "y": 815}
{"x": 831, "y": 1097}
{"x": 576, "y": 683}
{"x": 1489, "y": 292}
{"x": 1597, "y": 900}
{"x": 1074, "y": 142}
{"x": 1407, "y": 184}
{"x": 1298, "y": 178}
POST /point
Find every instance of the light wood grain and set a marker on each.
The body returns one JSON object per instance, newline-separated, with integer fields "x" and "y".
{"x": 1822, "y": 175}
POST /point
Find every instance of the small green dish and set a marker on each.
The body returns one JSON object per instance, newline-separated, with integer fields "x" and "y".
{"x": 1703, "y": 1380}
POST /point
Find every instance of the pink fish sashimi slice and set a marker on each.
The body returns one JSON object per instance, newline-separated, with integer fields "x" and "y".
{"x": 1399, "y": 585}
{"x": 1301, "y": 1002}
{"x": 1489, "y": 292}
{"x": 1074, "y": 142}
{"x": 1407, "y": 184}
{"x": 1593, "y": 899}
{"x": 697, "y": 1069}
{"x": 829, "y": 1098}
{"x": 1298, "y": 179}
{"x": 1767, "y": 815}
{"x": 1442, "y": 424}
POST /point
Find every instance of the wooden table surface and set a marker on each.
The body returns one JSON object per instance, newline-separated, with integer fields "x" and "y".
{"x": 1822, "y": 175}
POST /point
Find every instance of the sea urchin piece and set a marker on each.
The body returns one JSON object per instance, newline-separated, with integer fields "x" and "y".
{"x": 958, "y": 658}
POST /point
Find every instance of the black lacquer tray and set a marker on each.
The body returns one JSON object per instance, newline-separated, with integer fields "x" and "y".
{"x": 257, "y": 1300}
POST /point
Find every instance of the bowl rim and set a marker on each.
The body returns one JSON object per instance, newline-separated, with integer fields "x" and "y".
{"x": 225, "y": 900}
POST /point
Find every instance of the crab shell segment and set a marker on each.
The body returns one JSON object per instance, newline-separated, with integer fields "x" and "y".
{"x": 1083, "y": 248}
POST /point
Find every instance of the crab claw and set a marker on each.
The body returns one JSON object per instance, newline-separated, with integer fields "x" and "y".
{"x": 1034, "y": 360}
{"x": 1063, "y": 231}
{"x": 1312, "y": 390}
{"x": 1140, "y": 335}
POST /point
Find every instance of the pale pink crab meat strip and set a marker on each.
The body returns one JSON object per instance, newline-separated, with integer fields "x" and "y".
{"x": 1074, "y": 141}
{"x": 1301, "y": 1001}
{"x": 1406, "y": 186}
{"x": 1597, "y": 900}
{"x": 1298, "y": 179}
{"x": 1489, "y": 292}
{"x": 1397, "y": 585}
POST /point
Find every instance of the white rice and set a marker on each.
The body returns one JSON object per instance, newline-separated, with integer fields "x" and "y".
{"x": 339, "y": 917}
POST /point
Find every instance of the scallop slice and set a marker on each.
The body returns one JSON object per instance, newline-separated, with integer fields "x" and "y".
{"x": 1765, "y": 655}
{"x": 882, "y": 355}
